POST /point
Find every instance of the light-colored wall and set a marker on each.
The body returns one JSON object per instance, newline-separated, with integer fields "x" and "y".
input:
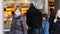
{"x": 1, "y": 17}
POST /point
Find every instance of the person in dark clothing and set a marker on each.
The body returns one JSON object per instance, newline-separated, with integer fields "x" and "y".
{"x": 57, "y": 26}
{"x": 51, "y": 20}
{"x": 34, "y": 20}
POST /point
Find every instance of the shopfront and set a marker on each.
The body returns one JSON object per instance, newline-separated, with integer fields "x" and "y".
{"x": 10, "y": 6}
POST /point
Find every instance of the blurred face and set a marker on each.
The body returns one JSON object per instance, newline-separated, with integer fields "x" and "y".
{"x": 44, "y": 18}
{"x": 17, "y": 12}
{"x": 58, "y": 13}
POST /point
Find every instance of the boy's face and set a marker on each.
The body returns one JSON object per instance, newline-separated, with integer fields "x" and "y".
{"x": 44, "y": 18}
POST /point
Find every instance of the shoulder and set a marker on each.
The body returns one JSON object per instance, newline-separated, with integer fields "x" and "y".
{"x": 22, "y": 17}
{"x": 47, "y": 21}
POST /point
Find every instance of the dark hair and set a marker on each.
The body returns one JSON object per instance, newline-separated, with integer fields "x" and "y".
{"x": 4, "y": 9}
{"x": 12, "y": 13}
{"x": 58, "y": 18}
{"x": 51, "y": 9}
{"x": 31, "y": 4}
{"x": 45, "y": 15}
{"x": 17, "y": 8}
{"x": 32, "y": 7}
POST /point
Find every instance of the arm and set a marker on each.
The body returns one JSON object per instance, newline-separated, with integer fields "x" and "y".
{"x": 24, "y": 26}
{"x": 46, "y": 25}
{"x": 27, "y": 18}
{"x": 55, "y": 19}
{"x": 12, "y": 29}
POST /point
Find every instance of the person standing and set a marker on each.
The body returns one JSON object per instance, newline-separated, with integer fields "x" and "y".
{"x": 51, "y": 20}
{"x": 18, "y": 25}
{"x": 57, "y": 24}
{"x": 45, "y": 24}
{"x": 34, "y": 20}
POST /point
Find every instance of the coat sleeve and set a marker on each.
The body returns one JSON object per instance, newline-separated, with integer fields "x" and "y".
{"x": 24, "y": 26}
{"x": 46, "y": 27}
{"x": 27, "y": 18}
{"x": 12, "y": 29}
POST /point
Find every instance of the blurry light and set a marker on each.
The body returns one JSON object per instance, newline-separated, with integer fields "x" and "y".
{"x": 10, "y": 9}
{"x": 8, "y": 12}
{"x": 26, "y": 1}
{"x": 51, "y": 0}
{"x": 24, "y": 8}
{"x": 12, "y": 1}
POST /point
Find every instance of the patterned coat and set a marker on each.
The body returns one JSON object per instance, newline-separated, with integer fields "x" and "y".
{"x": 18, "y": 25}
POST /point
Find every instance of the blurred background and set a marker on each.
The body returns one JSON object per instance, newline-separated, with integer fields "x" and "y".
{"x": 10, "y": 6}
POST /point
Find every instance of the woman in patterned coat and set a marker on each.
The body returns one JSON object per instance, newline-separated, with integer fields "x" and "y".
{"x": 18, "y": 25}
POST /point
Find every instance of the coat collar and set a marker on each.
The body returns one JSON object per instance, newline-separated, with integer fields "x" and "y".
{"x": 17, "y": 17}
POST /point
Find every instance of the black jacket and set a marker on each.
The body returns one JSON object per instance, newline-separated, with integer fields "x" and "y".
{"x": 34, "y": 17}
{"x": 57, "y": 28}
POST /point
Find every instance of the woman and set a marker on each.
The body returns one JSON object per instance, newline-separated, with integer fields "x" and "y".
{"x": 18, "y": 25}
{"x": 57, "y": 24}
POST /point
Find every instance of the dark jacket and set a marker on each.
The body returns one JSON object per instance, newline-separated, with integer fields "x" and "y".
{"x": 18, "y": 25}
{"x": 57, "y": 28}
{"x": 34, "y": 17}
{"x": 51, "y": 20}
